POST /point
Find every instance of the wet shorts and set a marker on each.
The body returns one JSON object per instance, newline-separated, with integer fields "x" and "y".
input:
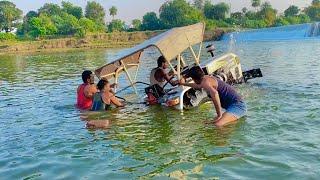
{"x": 238, "y": 109}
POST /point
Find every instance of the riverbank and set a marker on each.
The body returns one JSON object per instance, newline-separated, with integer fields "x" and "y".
{"x": 93, "y": 41}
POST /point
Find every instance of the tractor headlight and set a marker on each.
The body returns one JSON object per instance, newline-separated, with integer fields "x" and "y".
{"x": 172, "y": 102}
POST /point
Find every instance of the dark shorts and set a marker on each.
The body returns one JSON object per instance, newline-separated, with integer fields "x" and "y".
{"x": 238, "y": 109}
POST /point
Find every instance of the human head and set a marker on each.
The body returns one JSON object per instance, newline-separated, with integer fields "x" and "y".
{"x": 88, "y": 77}
{"x": 197, "y": 74}
{"x": 102, "y": 83}
{"x": 162, "y": 62}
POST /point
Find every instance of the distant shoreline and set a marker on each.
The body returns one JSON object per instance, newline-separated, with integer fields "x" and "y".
{"x": 93, "y": 41}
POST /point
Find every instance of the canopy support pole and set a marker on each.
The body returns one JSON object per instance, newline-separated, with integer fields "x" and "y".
{"x": 178, "y": 67}
{"x": 135, "y": 76}
{"x": 182, "y": 61}
{"x": 200, "y": 46}
{"x": 129, "y": 77}
{"x": 116, "y": 81}
{"x": 194, "y": 55}
{"x": 175, "y": 72}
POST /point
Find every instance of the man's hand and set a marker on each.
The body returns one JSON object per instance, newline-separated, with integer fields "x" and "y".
{"x": 171, "y": 73}
{"x": 217, "y": 118}
{"x": 98, "y": 124}
{"x": 182, "y": 81}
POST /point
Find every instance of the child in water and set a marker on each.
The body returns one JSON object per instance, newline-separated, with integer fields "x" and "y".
{"x": 103, "y": 99}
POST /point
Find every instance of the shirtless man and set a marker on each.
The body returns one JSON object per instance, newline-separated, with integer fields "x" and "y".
{"x": 86, "y": 91}
{"x": 159, "y": 75}
{"x": 222, "y": 94}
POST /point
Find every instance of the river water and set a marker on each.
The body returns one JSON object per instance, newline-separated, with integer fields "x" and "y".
{"x": 43, "y": 137}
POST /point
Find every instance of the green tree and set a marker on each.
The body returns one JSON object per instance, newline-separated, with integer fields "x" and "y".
{"x": 255, "y": 3}
{"x": 50, "y": 9}
{"x": 25, "y": 27}
{"x": 150, "y": 21}
{"x": 87, "y": 25}
{"x": 267, "y": 13}
{"x": 313, "y": 11}
{"x": 266, "y": 5}
{"x": 255, "y": 23}
{"x": 304, "y": 18}
{"x": 136, "y": 23}
{"x": 42, "y": 26}
{"x": 71, "y": 9}
{"x": 66, "y": 24}
{"x": 7, "y": 36}
{"x": 237, "y": 15}
{"x": 177, "y": 13}
{"x": 113, "y": 11}
{"x": 251, "y": 15}
{"x": 95, "y": 12}
{"x": 199, "y": 4}
{"x": 9, "y": 16}
{"x": 207, "y": 9}
{"x": 30, "y": 15}
{"x": 221, "y": 10}
{"x": 316, "y": 3}
{"x": 244, "y": 10}
{"x": 281, "y": 21}
{"x": 218, "y": 11}
{"x": 291, "y": 11}
{"x": 116, "y": 25}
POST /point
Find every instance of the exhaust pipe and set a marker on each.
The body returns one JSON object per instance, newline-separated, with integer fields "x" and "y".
{"x": 210, "y": 49}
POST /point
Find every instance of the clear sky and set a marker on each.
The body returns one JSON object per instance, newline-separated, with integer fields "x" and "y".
{"x": 135, "y": 9}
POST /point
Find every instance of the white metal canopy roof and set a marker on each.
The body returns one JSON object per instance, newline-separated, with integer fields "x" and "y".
{"x": 170, "y": 44}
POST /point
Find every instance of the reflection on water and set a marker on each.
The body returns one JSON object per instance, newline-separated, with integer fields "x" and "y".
{"x": 43, "y": 135}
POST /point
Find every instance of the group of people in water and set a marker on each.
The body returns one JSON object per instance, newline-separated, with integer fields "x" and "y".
{"x": 224, "y": 96}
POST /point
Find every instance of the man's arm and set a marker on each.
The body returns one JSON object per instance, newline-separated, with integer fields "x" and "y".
{"x": 193, "y": 85}
{"x": 109, "y": 98}
{"x": 168, "y": 77}
{"x": 114, "y": 100}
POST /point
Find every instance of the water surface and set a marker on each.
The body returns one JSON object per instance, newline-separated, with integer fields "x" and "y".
{"x": 42, "y": 135}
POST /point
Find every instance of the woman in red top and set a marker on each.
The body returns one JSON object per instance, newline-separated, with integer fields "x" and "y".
{"x": 86, "y": 91}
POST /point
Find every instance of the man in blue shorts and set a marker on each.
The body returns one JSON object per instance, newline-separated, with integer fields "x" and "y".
{"x": 222, "y": 94}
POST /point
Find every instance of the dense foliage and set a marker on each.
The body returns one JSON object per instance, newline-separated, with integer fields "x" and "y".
{"x": 177, "y": 13}
{"x": 9, "y": 16}
{"x": 67, "y": 19}
{"x": 150, "y": 22}
{"x": 116, "y": 25}
{"x": 51, "y": 20}
{"x": 7, "y": 36}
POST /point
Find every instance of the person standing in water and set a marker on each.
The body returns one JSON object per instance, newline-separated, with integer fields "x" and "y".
{"x": 222, "y": 94}
{"x": 86, "y": 91}
{"x": 103, "y": 99}
{"x": 159, "y": 74}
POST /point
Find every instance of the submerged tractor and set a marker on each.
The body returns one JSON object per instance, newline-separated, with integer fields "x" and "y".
{"x": 171, "y": 44}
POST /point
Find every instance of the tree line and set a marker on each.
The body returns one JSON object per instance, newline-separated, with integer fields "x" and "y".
{"x": 67, "y": 19}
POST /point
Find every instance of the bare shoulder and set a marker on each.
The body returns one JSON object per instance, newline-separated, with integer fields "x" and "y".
{"x": 209, "y": 82}
{"x": 91, "y": 88}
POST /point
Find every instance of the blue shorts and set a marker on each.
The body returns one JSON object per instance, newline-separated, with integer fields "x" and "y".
{"x": 238, "y": 109}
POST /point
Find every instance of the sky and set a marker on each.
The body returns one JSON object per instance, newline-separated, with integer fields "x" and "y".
{"x": 135, "y": 9}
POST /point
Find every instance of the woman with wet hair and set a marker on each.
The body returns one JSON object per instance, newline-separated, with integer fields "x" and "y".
{"x": 103, "y": 99}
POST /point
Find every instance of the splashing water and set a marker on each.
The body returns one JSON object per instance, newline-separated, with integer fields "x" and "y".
{"x": 292, "y": 32}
